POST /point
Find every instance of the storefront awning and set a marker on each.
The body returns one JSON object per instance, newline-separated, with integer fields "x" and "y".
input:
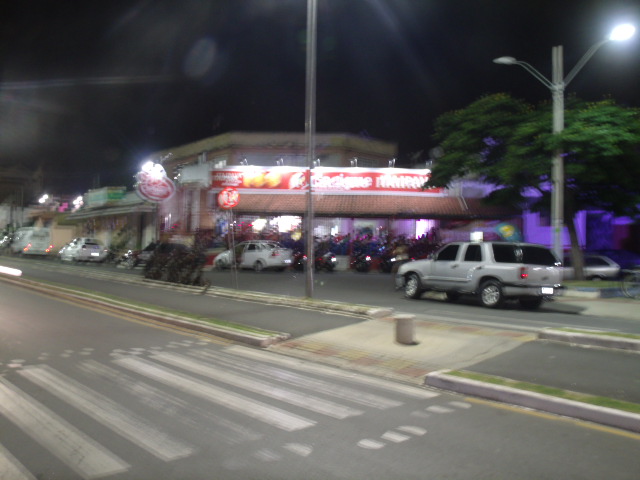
{"x": 398, "y": 206}
{"x": 108, "y": 211}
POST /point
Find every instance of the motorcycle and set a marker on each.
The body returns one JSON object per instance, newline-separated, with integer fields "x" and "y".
{"x": 134, "y": 258}
{"x": 361, "y": 263}
{"x": 326, "y": 261}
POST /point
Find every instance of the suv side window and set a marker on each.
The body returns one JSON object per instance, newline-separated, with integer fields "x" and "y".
{"x": 448, "y": 253}
{"x": 251, "y": 247}
{"x": 505, "y": 253}
{"x": 538, "y": 256}
{"x": 473, "y": 254}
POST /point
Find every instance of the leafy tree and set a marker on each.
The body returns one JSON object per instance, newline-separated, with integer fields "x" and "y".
{"x": 509, "y": 143}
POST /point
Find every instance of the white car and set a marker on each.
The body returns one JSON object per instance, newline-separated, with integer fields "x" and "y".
{"x": 83, "y": 249}
{"x": 256, "y": 254}
{"x": 596, "y": 267}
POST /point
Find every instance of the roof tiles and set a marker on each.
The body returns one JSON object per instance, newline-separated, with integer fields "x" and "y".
{"x": 401, "y": 206}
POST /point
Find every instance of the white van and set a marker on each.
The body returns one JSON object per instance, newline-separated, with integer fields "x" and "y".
{"x": 32, "y": 241}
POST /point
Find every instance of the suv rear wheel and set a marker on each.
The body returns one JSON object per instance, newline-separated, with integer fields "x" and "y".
{"x": 491, "y": 295}
{"x": 258, "y": 266}
{"x": 412, "y": 286}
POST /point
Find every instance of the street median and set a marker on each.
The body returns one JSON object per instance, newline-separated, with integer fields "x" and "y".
{"x": 601, "y": 410}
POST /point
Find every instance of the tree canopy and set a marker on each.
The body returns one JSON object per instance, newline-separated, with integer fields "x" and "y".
{"x": 509, "y": 143}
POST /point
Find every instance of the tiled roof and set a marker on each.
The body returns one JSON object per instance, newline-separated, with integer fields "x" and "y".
{"x": 400, "y": 206}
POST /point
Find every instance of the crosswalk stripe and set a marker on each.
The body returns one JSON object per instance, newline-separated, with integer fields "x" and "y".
{"x": 308, "y": 402}
{"x": 77, "y": 450}
{"x": 166, "y": 403}
{"x": 114, "y": 416}
{"x": 11, "y": 468}
{"x": 300, "y": 365}
{"x": 239, "y": 403}
{"x": 327, "y": 388}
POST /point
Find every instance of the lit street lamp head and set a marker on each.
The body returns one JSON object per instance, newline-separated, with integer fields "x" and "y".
{"x": 622, "y": 32}
{"x": 505, "y": 60}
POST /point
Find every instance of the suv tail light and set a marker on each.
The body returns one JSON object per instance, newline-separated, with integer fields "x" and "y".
{"x": 275, "y": 253}
{"x": 523, "y": 273}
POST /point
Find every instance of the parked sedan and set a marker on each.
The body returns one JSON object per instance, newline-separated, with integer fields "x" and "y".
{"x": 83, "y": 249}
{"x": 256, "y": 254}
{"x": 596, "y": 267}
{"x": 626, "y": 259}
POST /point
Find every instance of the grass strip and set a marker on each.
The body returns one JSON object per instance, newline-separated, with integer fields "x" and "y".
{"x": 631, "y": 336}
{"x": 154, "y": 308}
{"x": 554, "y": 392}
{"x": 592, "y": 283}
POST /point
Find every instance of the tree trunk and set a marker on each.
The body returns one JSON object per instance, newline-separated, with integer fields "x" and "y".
{"x": 577, "y": 257}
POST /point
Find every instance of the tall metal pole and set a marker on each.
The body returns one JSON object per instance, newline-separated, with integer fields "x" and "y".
{"x": 557, "y": 168}
{"x": 557, "y": 85}
{"x": 310, "y": 133}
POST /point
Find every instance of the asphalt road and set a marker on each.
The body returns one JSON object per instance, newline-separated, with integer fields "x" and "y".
{"x": 88, "y": 394}
{"x": 370, "y": 289}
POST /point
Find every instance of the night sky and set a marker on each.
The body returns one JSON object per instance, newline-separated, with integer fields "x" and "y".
{"x": 91, "y": 88}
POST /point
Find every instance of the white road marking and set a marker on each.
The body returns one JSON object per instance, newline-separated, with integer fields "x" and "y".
{"x": 162, "y": 401}
{"x": 464, "y": 405}
{"x": 413, "y": 430}
{"x": 395, "y": 437}
{"x": 291, "y": 378}
{"x": 114, "y": 416}
{"x": 267, "y": 455}
{"x": 77, "y": 450}
{"x": 299, "y": 449}
{"x": 11, "y": 468}
{"x": 253, "y": 408}
{"x": 308, "y": 402}
{"x": 439, "y": 409}
{"x": 301, "y": 365}
{"x": 370, "y": 444}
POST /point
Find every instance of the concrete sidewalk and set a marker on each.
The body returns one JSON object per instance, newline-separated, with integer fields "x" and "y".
{"x": 371, "y": 347}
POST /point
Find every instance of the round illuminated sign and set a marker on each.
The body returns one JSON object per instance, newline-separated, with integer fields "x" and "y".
{"x": 228, "y": 198}
{"x": 153, "y": 184}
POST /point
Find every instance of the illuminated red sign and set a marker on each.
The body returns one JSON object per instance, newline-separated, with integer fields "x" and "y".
{"x": 324, "y": 179}
{"x": 154, "y": 189}
{"x": 228, "y": 198}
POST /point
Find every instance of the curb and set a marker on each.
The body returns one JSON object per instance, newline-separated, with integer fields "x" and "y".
{"x": 593, "y": 292}
{"x": 362, "y": 311}
{"x": 537, "y": 401}
{"x": 592, "y": 340}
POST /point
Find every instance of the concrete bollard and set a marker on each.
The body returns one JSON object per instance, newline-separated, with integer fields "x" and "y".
{"x": 405, "y": 329}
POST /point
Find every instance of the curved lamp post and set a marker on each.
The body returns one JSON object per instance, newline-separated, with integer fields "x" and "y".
{"x": 557, "y": 86}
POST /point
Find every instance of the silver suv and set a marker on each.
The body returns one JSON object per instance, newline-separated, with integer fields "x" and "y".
{"x": 494, "y": 271}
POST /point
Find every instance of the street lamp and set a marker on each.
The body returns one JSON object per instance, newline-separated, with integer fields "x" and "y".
{"x": 557, "y": 86}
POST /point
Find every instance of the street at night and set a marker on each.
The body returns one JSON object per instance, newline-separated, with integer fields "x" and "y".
{"x": 88, "y": 394}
